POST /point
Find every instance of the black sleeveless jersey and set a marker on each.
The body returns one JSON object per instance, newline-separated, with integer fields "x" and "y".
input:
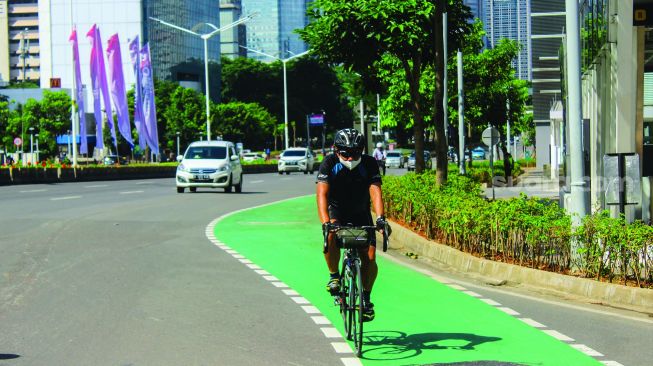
{"x": 349, "y": 190}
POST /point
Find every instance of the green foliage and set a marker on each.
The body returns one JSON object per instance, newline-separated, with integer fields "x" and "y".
{"x": 614, "y": 249}
{"x": 185, "y": 112}
{"x": 526, "y": 231}
{"x": 243, "y": 122}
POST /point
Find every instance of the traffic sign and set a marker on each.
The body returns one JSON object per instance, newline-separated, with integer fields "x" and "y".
{"x": 490, "y": 136}
{"x": 18, "y": 141}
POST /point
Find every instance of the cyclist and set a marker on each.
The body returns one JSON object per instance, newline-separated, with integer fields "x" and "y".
{"x": 347, "y": 181}
{"x": 379, "y": 155}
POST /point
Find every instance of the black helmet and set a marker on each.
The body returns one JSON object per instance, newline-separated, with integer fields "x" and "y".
{"x": 349, "y": 139}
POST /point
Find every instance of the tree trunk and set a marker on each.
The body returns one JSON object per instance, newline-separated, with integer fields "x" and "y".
{"x": 413, "y": 74}
{"x": 441, "y": 144}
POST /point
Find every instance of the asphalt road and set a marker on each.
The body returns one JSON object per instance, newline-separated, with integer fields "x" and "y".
{"x": 122, "y": 273}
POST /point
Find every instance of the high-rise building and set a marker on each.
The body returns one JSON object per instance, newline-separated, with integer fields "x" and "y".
{"x": 510, "y": 19}
{"x": 19, "y": 41}
{"x": 476, "y": 7}
{"x": 547, "y": 28}
{"x": 272, "y": 31}
{"x": 176, "y": 55}
{"x": 232, "y": 40}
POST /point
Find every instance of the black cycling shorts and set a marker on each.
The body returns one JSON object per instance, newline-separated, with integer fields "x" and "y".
{"x": 343, "y": 217}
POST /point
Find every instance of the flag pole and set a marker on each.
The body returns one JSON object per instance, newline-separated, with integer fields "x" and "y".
{"x": 73, "y": 92}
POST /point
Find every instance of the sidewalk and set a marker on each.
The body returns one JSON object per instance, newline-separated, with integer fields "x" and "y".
{"x": 532, "y": 183}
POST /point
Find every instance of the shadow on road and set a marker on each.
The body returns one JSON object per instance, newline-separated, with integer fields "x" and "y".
{"x": 393, "y": 345}
{"x": 8, "y": 356}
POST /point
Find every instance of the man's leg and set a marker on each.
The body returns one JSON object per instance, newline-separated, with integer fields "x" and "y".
{"x": 369, "y": 271}
{"x": 332, "y": 257}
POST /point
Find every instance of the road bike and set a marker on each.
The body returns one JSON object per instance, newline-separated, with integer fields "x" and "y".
{"x": 350, "y": 296}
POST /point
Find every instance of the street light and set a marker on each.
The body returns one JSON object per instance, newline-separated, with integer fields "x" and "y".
{"x": 285, "y": 84}
{"x": 178, "y": 143}
{"x": 31, "y": 144}
{"x": 205, "y": 37}
{"x": 37, "y": 147}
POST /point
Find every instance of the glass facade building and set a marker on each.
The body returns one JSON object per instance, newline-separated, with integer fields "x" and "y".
{"x": 510, "y": 19}
{"x": 176, "y": 56}
{"x": 272, "y": 31}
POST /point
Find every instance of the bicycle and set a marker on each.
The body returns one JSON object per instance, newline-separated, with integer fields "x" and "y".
{"x": 350, "y": 296}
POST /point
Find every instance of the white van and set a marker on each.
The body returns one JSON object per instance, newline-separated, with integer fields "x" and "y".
{"x": 210, "y": 164}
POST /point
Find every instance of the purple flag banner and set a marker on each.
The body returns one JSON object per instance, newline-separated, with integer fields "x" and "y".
{"x": 149, "y": 108}
{"x": 135, "y": 55}
{"x": 95, "y": 84}
{"x": 79, "y": 93}
{"x": 104, "y": 86}
{"x": 117, "y": 88}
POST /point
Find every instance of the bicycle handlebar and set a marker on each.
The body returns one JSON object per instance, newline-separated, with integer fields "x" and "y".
{"x": 334, "y": 228}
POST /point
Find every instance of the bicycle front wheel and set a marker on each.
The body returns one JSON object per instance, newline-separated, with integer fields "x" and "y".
{"x": 356, "y": 307}
{"x": 345, "y": 283}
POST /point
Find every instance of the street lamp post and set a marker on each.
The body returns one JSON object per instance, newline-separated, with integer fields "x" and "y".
{"x": 205, "y": 37}
{"x": 37, "y": 147}
{"x": 178, "y": 143}
{"x": 31, "y": 144}
{"x": 285, "y": 84}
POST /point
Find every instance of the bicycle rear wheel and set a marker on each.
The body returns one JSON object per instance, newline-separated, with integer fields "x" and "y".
{"x": 356, "y": 307}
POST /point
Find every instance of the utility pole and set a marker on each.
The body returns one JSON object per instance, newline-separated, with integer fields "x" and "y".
{"x": 24, "y": 48}
{"x": 445, "y": 95}
{"x": 578, "y": 201}
{"x": 461, "y": 118}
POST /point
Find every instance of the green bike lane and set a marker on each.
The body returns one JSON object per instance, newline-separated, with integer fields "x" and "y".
{"x": 419, "y": 320}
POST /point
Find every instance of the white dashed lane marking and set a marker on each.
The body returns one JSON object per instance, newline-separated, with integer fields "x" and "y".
{"x": 33, "y": 191}
{"x": 351, "y": 361}
{"x": 65, "y": 198}
{"x": 532, "y": 323}
{"x": 331, "y": 332}
{"x": 557, "y": 335}
{"x": 341, "y": 347}
{"x": 586, "y": 350}
{"x": 97, "y": 186}
{"x": 321, "y": 320}
{"x": 131, "y": 192}
{"x": 256, "y": 181}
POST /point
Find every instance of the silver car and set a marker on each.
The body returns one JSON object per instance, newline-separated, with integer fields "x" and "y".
{"x": 210, "y": 164}
{"x": 296, "y": 159}
{"x": 394, "y": 159}
{"x": 428, "y": 163}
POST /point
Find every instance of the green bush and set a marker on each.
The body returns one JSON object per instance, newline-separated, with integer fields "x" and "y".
{"x": 525, "y": 231}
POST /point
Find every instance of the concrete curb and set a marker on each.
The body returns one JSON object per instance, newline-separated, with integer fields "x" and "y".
{"x": 615, "y": 295}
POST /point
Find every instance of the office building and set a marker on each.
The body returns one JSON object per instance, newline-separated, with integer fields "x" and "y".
{"x": 176, "y": 55}
{"x": 232, "y": 40}
{"x": 476, "y": 7}
{"x": 547, "y": 34}
{"x": 20, "y": 59}
{"x": 272, "y": 31}
{"x": 510, "y": 19}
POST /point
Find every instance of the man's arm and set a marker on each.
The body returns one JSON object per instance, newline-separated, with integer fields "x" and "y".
{"x": 322, "y": 201}
{"x": 376, "y": 195}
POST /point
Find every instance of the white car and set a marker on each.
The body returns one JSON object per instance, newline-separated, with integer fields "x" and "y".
{"x": 394, "y": 159}
{"x": 210, "y": 164}
{"x": 252, "y": 157}
{"x": 296, "y": 159}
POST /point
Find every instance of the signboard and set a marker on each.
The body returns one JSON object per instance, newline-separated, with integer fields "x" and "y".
{"x": 316, "y": 119}
{"x": 18, "y": 141}
{"x": 490, "y": 136}
{"x": 642, "y": 13}
{"x": 55, "y": 82}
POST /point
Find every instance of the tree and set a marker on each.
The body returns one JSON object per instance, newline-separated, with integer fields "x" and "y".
{"x": 185, "y": 112}
{"x": 248, "y": 123}
{"x": 50, "y": 118}
{"x": 359, "y": 33}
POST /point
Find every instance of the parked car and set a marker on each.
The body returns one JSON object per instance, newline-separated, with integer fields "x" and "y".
{"x": 479, "y": 153}
{"x": 394, "y": 159}
{"x": 253, "y": 156}
{"x": 428, "y": 163}
{"x": 210, "y": 164}
{"x": 296, "y": 159}
{"x": 113, "y": 159}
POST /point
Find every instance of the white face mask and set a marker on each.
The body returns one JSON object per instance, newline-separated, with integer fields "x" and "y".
{"x": 350, "y": 164}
